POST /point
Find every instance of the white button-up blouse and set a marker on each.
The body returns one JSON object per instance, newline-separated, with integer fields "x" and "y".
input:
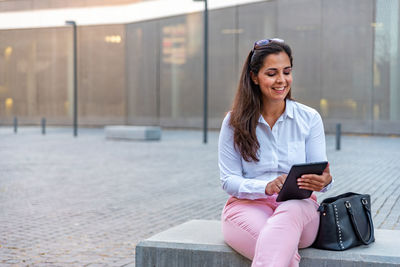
{"x": 297, "y": 137}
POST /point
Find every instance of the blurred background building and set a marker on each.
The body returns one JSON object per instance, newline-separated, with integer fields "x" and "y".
{"x": 141, "y": 62}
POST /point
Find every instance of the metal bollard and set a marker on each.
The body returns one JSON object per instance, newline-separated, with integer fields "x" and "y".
{"x": 43, "y": 126}
{"x": 338, "y": 135}
{"x": 15, "y": 124}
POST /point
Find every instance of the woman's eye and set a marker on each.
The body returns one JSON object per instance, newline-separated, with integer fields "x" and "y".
{"x": 270, "y": 74}
{"x": 287, "y": 72}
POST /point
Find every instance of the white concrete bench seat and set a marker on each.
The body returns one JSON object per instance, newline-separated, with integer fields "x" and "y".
{"x": 129, "y": 132}
{"x": 200, "y": 243}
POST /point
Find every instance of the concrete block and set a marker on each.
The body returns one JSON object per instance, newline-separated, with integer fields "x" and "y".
{"x": 133, "y": 132}
{"x": 200, "y": 243}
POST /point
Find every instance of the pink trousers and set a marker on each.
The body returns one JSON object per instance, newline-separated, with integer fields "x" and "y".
{"x": 270, "y": 232}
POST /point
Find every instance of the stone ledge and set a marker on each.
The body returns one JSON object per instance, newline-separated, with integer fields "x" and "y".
{"x": 200, "y": 243}
{"x": 133, "y": 132}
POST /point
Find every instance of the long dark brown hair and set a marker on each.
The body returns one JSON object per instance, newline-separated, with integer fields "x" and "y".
{"x": 248, "y": 104}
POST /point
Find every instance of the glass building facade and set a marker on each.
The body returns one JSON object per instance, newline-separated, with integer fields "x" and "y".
{"x": 346, "y": 65}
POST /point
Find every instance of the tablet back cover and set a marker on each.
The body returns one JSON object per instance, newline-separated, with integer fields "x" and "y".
{"x": 290, "y": 189}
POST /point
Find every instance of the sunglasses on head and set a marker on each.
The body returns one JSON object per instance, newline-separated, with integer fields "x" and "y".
{"x": 259, "y": 44}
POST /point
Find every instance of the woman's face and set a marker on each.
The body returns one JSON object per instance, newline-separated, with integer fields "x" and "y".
{"x": 274, "y": 77}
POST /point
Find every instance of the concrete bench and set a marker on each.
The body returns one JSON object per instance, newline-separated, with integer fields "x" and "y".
{"x": 133, "y": 132}
{"x": 200, "y": 243}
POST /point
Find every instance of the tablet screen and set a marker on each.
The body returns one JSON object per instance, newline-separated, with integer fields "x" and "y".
{"x": 290, "y": 189}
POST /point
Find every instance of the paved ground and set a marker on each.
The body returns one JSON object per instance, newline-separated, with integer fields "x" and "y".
{"x": 87, "y": 201}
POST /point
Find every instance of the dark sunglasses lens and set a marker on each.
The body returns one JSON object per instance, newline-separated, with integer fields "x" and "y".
{"x": 260, "y": 43}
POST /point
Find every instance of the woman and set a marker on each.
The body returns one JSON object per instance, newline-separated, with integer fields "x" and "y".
{"x": 265, "y": 133}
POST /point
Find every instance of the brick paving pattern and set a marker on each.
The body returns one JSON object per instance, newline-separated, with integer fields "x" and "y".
{"x": 87, "y": 201}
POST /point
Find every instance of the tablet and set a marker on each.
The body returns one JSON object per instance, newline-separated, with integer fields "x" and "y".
{"x": 290, "y": 189}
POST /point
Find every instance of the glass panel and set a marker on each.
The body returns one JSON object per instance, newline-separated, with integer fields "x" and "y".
{"x": 101, "y": 75}
{"x": 48, "y": 84}
{"x": 386, "y": 108}
{"x": 143, "y": 73}
{"x": 255, "y": 22}
{"x": 299, "y": 24}
{"x": 347, "y": 45}
{"x": 222, "y": 63}
{"x": 34, "y": 79}
{"x": 37, "y": 80}
{"x": 181, "y": 71}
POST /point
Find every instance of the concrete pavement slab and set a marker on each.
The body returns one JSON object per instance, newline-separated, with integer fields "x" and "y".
{"x": 68, "y": 201}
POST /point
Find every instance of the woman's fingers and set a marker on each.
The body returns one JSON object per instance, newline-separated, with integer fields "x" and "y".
{"x": 271, "y": 188}
{"x": 280, "y": 180}
{"x": 327, "y": 169}
{"x": 275, "y": 186}
{"x": 311, "y": 182}
{"x": 315, "y": 182}
{"x": 278, "y": 188}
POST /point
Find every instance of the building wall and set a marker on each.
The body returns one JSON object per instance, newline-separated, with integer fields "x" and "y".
{"x": 333, "y": 52}
{"x": 346, "y": 65}
{"x": 143, "y": 73}
{"x": 36, "y": 75}
{"x": 101, "y": 75}
{"x": 339, "y": 66}
{"x": 386, "y": 68}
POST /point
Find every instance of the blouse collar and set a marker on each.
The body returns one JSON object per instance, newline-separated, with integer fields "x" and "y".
{"x": 287, "y": 113}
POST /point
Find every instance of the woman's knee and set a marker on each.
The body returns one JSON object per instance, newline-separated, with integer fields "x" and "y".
{"x": 240, "y": 237}
{"x": 248, "y": 219}
{"x": 247, "y": 213}
{"x": 242, "y": 222}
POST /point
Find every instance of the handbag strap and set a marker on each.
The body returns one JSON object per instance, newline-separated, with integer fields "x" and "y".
{"x": 364, "y": 202}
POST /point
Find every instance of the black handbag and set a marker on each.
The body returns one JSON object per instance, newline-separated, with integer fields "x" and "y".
{"x": 345, "y": 222}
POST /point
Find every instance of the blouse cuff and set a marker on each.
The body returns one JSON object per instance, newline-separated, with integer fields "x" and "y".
{"x": 253, "y": 189}
{"x": 327, "y": 187}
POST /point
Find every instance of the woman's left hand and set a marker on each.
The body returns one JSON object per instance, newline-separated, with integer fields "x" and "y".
{"x": 315, "y": 182}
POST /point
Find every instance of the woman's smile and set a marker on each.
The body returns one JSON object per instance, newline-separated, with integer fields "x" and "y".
{"x": 279, "y": 88}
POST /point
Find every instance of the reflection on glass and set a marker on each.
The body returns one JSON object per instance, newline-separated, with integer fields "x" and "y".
{"x": 376, "y": 112}
{"x": 377, "y": 76}
{"x": 113, "y": 39}
{"x": 66, "y": 107}
{"x": 387, "y": 60}
{"x": 377, "y": 24}
{"x": 9, "y": 105}
{"x": 232, "y": 31}
{"x": 7, "y": 52}
{"x": 323, "y": 103}
{"x": 174, "y": 44}
{"x": 195, "y": 39}
{"x": 351, "y": 104}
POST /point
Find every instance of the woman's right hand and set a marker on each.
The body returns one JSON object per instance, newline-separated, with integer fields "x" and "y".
{"x": 275, "y": 186}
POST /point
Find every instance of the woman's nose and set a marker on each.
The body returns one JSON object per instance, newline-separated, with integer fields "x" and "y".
{"x": 279, "y": 78}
